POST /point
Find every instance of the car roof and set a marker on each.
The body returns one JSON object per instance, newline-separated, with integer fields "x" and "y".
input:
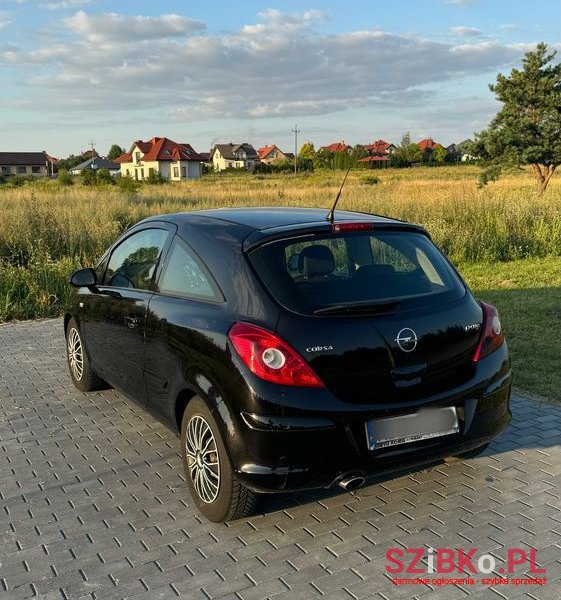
{"x": 263, "y": 218}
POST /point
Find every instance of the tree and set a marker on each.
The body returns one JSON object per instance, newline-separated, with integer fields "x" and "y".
{"x": 406, "y": 153}
{"x": 323, "y": 159}
{"x": 69, "y": 163}
{"x": 115, "y": 151}
{"x": 88, "y": 177}
{"x": 527, "y": 130}
{"x": 307, "y": 151}
{"x": 439, "y": 155}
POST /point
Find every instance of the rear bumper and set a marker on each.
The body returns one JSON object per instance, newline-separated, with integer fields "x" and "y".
{"x": 315, "y": 450}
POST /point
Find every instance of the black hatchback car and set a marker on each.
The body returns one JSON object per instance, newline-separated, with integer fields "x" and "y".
{"x": 290, "y": 352}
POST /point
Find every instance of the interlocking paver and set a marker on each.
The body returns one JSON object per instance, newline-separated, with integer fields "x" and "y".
{"x": 93, "y": 504}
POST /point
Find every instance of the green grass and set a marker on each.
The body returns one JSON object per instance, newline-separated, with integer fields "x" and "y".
{"x": 528, "y": 296}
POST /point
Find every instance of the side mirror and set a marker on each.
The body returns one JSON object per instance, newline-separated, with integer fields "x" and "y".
{"x": 83, "y": 278}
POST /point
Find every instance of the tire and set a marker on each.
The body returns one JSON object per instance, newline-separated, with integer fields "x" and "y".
{"x": 216, "y": 490}
{"x": 81, "y": 372}
{"x": 474, "y": 452}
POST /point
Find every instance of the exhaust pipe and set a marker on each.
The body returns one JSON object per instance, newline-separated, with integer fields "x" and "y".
{"x": 352, "y": 482}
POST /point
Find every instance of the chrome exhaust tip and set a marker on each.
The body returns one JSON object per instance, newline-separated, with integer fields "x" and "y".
{"x": 352, "y": 482}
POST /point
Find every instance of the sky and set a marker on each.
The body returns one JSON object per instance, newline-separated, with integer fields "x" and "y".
{"x": 73, "y": 72}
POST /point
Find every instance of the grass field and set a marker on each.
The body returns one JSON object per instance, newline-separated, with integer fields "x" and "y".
{"x": 506, "y": 240}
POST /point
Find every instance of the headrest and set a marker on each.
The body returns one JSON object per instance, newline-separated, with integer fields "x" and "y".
{"x": 316, "y": 260}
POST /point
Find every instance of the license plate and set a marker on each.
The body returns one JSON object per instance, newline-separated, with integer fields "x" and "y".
{"x": 424, "y": 424}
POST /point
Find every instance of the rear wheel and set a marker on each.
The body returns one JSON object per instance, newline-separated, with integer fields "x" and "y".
{"x": 81, "y": 372}
{"x": 215, "y": 488}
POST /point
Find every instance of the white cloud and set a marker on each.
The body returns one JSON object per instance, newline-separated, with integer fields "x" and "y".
{"x": 4, "y": 20}
{"x": 464, "y": 31}
{"x": 279, "y": 67}
{"x": 461, "y": 2}
{"x": 112, "y": 27}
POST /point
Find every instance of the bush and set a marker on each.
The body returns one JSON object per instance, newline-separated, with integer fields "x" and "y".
{"x": 370, "y": 180}
{"x": 128, "y": 185}
{"x": 88, "y": 177}
{"x": 103, "y": 176}
{"x": 155, "y": 178}
{"x": 64, "y": 178}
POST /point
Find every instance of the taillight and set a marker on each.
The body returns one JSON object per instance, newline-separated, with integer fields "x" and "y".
{"x": 492, "y": 336}
{"x": 271, "y": 359}
{"x": 338, "y": 227}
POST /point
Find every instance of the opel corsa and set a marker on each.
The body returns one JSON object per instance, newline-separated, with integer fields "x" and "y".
{"x": 288, "y": 351}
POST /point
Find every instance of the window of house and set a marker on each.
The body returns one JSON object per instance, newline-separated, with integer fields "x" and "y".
{"x": 176, "y": 171}
{"x": 133, "y": 262}
{"x": 35, "y": 169}
{"x": 6, "y": 170}
{"x": 184, "y": 275}
{"x": 137, "y": 157}
{"x": 22, "y": 169}
{"x": 184, "y": 172}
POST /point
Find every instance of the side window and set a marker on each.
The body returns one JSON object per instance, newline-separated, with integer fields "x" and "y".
{"x": 132, "y": 263}
{"x": 384, "y": 254}
{"x": 185, "y": 276}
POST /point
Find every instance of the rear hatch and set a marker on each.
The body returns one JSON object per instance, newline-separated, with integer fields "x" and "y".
{"x": 378, "y": 313}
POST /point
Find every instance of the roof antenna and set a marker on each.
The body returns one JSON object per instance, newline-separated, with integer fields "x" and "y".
{"x": 331, "y": 214}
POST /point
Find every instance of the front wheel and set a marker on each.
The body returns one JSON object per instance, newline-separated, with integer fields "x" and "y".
{"x": 215, "y": 488}
{"x": 81, "y": 372}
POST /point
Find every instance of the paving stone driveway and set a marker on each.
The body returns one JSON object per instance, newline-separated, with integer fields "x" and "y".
{"x": 93, "y": 504}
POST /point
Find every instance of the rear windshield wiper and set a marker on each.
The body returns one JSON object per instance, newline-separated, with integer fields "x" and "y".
{"x": 356, "y": 308}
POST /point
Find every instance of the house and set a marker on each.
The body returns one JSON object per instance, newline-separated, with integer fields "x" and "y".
{"x": 427, "y": 145}
{"x": 25, "y": 164}
{"x": 161, "y": 156}
{"x": 271, "y": 154}
{"x": 336, "y": 147}
{"x": 378, "y": 154}
{"x": 463, "y": 151}
{"x": 234, "y": 156}
{"x": 95, "y": 164}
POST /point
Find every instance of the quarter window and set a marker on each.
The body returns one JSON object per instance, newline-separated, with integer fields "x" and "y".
{"x": 185, "y": 276}
{"x": 133, "y": 262}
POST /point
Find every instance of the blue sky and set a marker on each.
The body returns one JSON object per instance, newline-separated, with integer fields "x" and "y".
{"x": 206, "y": 72}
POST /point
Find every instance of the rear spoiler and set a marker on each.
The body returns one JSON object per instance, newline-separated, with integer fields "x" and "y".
{"x": 259, "y": 237}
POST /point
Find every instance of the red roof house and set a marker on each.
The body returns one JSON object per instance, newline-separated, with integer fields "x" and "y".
{"x": 427, "y": 145}
{"x": 269, "y": 154}
{"x": 163, "y": 156}
{"x": 337, "y": 147}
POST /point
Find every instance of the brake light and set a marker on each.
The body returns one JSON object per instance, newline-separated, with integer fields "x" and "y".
{"x": 492, "y": 336}
{"x": 339, "y": 227}
{"x": 271, "y": 359}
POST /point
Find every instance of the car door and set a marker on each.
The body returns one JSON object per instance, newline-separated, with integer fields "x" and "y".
{"x": 114, "y": 313}
{"x": 183, "y": 318}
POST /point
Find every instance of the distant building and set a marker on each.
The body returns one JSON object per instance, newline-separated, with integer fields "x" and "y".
{"x": 234, "y": 156}
{"x": 162, "y": 156}
{"x": 95, "y": 164}
{"x": 26, "y": 164}
{"x": 337, "y": 147}
{"x": 271, "y": 154}
{"x": 378, "y": 153}
{"x": 427, "y": 145}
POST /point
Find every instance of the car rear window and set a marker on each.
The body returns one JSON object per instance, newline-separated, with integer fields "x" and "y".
{"x": 356, "y": 272}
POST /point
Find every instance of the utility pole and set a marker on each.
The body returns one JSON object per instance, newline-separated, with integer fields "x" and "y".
{"x": 295, "y": 131}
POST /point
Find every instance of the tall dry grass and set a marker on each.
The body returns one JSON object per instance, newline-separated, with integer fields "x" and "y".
{"x": 47, "y": 230}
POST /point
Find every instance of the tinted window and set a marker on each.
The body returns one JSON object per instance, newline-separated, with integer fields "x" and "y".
{"x": 185, "y": 276}
{"x": 133, "y": 262}
{"x": 375, "y": 267}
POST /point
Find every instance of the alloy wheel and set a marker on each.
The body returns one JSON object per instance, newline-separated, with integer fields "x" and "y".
{"x": 75, "y": 354}
{"x": 202, "y": 459}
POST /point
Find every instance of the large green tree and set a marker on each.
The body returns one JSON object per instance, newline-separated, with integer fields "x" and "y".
{"x": 527, "y": 129}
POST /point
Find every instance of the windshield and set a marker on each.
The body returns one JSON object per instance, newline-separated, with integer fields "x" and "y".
{"x": 356, "y": 273}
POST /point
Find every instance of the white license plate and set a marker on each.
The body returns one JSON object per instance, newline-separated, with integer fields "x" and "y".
{"x": 424, "y": 424}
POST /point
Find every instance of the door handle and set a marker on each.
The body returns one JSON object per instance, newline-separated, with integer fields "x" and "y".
{"x": 132, "y": 322}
